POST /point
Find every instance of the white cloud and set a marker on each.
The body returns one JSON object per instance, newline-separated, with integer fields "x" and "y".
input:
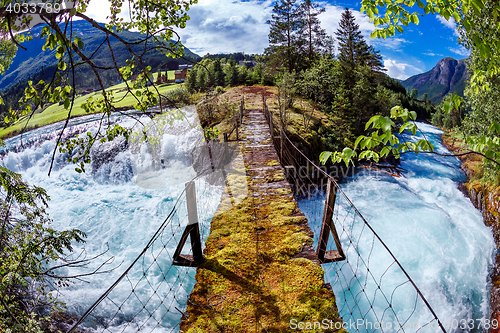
{"x": 99, "y": 10}
{"x": 227, "y": 26}
{"x": 399, "y": 70}
{"x": 333, "y": 14}
{"x": 460, "y": 51}
{"x": 450, "y": 24}
{"x": 215, "y": 26}
{"x": 432, "y": 54}
{"x": 393, "y": 43}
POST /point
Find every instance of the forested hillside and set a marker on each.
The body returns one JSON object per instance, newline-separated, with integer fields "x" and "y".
{"x": 349, "y": 87}
{"x": 31, "y": 61}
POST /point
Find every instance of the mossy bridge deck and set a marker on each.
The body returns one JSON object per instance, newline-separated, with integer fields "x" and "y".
{"x": 259, "y": 271}
{"x": 258, "y": 274}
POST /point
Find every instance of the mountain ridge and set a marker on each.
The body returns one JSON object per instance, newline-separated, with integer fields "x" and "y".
{"x": 28, "y": 63}
{"x": 448, "y": 76}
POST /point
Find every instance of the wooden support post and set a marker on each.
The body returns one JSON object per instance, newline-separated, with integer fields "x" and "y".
{"x": 328, "y": 226}
{"x": 240, "y": 114}
{"x": 211, "y": 158}
{"x": 225, "y": 137}
{"x": 271, "y": 126}
{"x": 193, "y": 230}
{"x": 236, "y": 125}
{"x": 282, "y": 139}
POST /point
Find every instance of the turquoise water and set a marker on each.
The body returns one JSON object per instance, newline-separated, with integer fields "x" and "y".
{"x": 430, "y": 226}
{"x": 120, "y": 205}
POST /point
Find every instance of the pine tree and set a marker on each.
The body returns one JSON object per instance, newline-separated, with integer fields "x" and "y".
{"x": 350, "y": 42}
{"x": 283, "y": 31}
{"x": 358, "y": 64}
{"x": 231, "y": 73}
{"x": 311, "y": 36}
{"x": 218, "y": 73}
{"x": 191, "y": 79}
{"x": 353, "y": 50}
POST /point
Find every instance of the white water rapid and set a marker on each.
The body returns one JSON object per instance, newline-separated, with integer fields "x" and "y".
{"x": 432, "y": 229}
{"x": 119, "y": 203}
{"x": 429, "y": 225}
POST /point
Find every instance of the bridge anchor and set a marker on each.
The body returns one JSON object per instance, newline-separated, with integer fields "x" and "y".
{"x": 327, "y": 227}
{"x": 193, "y": 230}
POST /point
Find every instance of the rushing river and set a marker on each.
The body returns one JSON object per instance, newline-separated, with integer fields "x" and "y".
{"x": 429, "y": 225}
{"x": 432, "y": 229}
{"x": 119, "y": 204}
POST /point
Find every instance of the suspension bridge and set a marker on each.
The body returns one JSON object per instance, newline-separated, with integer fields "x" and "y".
{"x": 265, "y": 266}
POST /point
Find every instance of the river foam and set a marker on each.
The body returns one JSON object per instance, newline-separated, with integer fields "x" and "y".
{"x": 120, "y": 205}
{"x": 430, "y": 226}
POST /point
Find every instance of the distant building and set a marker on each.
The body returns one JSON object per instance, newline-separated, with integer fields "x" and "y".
{"x": 181, "y": 67}
{"x": 180, "y": 75}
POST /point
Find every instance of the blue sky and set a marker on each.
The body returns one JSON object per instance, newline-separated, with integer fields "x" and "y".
{"x": 224, "y": 26}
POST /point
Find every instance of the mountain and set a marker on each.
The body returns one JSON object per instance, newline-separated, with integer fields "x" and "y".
{"x": 448, "y": 76}
{"x": 29, "y": 62}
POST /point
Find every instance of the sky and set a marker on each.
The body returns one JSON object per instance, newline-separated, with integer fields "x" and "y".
{"x": 225, "y": 26}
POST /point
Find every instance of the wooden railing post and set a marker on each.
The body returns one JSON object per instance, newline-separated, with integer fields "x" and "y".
{"x": 193, "y": 230}
{"x": 328, "y": 226}
{"x": 236, "y": 125}
{"x": 242, "y": 107}
{"x": 281, "y": 143}
{"x": 271, "y": 125}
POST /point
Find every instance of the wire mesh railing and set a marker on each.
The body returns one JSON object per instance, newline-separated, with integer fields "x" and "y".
{"x": 373, "y": 290}
{"x": 151, "y": 294}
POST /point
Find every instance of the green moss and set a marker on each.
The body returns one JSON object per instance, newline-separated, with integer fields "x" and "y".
{"x": 250, "y": 281}
{"x": 273, "y": 163}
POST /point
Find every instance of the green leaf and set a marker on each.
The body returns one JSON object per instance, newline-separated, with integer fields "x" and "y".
{"x": 348, "y": 153}
{"x": 447, "y": 107}
{"x": 476, "y": 7}
{"x": 373, "y": 119}
{"x": 324, "y": 156}
{"x": 385, "y": 124}
{"x": 358, "y": 140}
{"x": 495, "y": 127}
{"x": 420, "y": 4}
{"x": 385, "y": 151}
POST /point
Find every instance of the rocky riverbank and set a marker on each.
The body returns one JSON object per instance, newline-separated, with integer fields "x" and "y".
{"x": 487, "y": 200}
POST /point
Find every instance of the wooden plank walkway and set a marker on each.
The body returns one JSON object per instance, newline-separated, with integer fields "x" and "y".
{"x": 260, "y": 271}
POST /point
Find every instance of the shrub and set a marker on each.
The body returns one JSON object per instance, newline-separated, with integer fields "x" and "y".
{"x": 27, "y": 247}
{"x": 179, "y": 95}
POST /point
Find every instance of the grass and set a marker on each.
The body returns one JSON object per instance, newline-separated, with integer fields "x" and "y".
{"x": 55, "y": 112}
